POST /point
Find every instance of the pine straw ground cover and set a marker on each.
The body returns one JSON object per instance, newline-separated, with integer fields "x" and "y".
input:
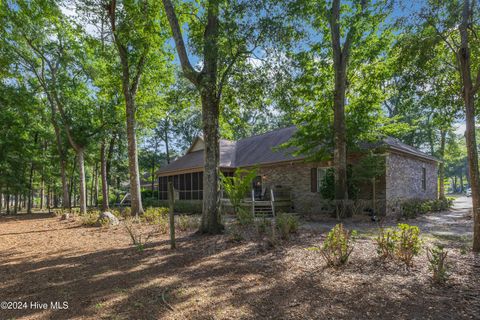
{"x": 103, "y": 277}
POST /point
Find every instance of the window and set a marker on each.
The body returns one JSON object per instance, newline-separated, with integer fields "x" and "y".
{"x": 424, "y": 179}
{"x": 321, "y": 173}
{"x": 317, "y": 178}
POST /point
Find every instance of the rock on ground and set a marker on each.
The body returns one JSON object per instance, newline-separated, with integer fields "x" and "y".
{"x": 108, "y": 216}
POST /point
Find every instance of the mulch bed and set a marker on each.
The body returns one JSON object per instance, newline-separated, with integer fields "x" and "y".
{"x": 101, "y": 276}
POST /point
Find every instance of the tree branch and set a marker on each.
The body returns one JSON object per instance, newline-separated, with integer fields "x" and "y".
{"x": 187, "y": 68}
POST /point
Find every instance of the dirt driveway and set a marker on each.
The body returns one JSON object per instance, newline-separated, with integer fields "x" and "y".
{"x": 455, "y": 225}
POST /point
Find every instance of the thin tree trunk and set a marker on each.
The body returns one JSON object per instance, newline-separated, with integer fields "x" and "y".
{"x": 167, "y": 146}
{"x": 82, "y": 181}
{"x": 95, "y": 198}
{"x": 30, "y": 190}
{"x": 72, "y": 180}
{"x": 15, "y": 204}
{"x": 103, "y": 169}
{"x": 441, "y": 168}
{"x": 7, "y": 202}
{"x": 42, "y": 193}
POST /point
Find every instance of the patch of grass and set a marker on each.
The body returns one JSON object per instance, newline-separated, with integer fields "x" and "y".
{"x": 187, "y": 222}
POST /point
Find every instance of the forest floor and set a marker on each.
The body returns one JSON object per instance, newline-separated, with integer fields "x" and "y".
{"x": 101, "y": 276}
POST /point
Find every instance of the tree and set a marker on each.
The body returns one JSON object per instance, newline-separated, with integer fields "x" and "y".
{"x": 225, "y": 34}
{"x": 346, "y": 62}
{"x": 138, "y": 39}
{"x": 455, "y": 24}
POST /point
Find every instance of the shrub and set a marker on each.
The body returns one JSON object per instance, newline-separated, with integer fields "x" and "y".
{"x": 286, "y": 224}
{"x": 411, "y": 208}
{"x": 90, "y": 219}
{"x": 185, "y": 223}
{"x": 437, "y": 259}
{"x": 237, "y": 186}
{"x": 155, "y": 215}
{"x": 407, "y": 243}
{"x": 244, "y": 217}
{"x": 127, "y": 212}
{"x": 338, "y": 245}
{"x": 386, "y": 243}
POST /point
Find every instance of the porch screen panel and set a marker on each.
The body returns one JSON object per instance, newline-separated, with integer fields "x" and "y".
{"x": 189, "y": 186}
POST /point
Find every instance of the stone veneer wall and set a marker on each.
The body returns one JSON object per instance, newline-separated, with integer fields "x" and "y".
{"x": 404, "y": 178}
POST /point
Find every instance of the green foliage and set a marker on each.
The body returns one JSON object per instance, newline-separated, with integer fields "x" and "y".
{"x": 338, "y": 245}
{"x": 91, "y": 219}
{"x": 244, "y": 217}
{"x": 238, "y": 186}
{"x": 407, "y": 243}
{"x": 402, "y": 243}
{"x": 437, "y": 258}
{"x": 413, "y": 207}
{"x": 386, "y": 243}
{"x": 287, "y": 224}
{"x": 327, "y": 188}
{"x": 155, "y": 215}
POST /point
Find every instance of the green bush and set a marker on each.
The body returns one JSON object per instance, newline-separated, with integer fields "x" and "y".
{"x": 412, "y": 208}
{"x": 407, "y": 243}
{"x": 157, "y": 217}
{"x": 286, "y": 224}
{"x": 338, "y": 245}
{"x": 154, "y": 215}
{"x": 437, "y": 259}
{"x": 90, "y": 219}
{"x": 402, "y": 243}
{"x": 386, "y": 243}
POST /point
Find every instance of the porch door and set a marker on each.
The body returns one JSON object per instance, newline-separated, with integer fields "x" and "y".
{"x": 257, "y": 187}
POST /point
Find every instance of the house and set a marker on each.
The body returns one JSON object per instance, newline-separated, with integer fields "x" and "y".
{"x": 409, "y": 172}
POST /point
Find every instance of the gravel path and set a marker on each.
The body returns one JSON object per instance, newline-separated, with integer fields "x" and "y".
{"x": 455, "y": 224}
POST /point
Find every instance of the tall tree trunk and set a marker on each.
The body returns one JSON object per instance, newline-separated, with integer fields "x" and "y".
{"x": 211, "y": 196}
{"x": 340, "y": 137}
{"x": 210, "y": 93}
{"x": 95, "y": 196}
{"x": 103, "y": 169}
{"x": 30, "y": 190}
{"x": 7, "y": 201}
{"x": 82, "y": 181}
{"x": 464, "y": 57}
{"x": 130, "y": 82}
{"x": 72, "y": 183}
{"x": 42, "y": 192}
{"x": 441, "y": 167}
{"x": 16, "y": 204}
{"x": 133, "y": 169}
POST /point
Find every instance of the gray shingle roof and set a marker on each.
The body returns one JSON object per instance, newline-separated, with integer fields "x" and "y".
{"x": 263, "y": 148}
